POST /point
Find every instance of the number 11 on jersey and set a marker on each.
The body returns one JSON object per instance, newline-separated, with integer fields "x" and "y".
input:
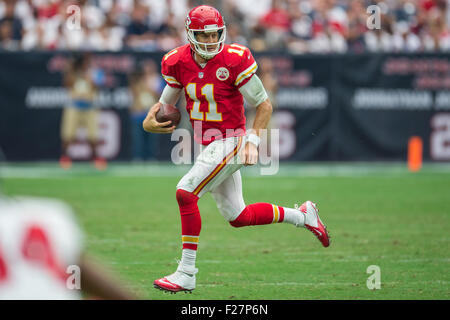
{"x": 208, "y": 91}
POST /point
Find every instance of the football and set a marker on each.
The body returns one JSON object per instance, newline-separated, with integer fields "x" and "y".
{"x": 168, "y": 112}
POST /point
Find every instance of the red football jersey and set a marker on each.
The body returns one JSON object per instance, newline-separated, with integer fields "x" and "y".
{"x": 214, "y": 102}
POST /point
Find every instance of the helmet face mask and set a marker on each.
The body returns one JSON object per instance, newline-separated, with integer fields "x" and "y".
{"x": 207, "y": 20}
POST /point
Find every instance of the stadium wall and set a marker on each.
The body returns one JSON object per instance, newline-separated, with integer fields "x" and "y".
{"x": 327, "y": 107}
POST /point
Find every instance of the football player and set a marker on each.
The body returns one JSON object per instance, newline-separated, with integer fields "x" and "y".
{"x": 215, "y": 78}
{"x": 42, "y": 255}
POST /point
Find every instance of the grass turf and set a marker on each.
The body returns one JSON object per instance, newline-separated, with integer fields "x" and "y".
{"x": 397, "y": 221}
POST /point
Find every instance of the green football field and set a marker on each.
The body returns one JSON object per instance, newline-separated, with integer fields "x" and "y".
{"x": 378, "y": 215}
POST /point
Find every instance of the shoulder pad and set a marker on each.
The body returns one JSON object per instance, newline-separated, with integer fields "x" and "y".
{"x": 173, "y": 56}
{"x": 234, "y": 54}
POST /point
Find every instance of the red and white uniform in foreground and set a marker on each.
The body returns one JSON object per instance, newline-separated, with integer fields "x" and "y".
{"x": 214, "y": 94}
{"x": 39, "y": 239}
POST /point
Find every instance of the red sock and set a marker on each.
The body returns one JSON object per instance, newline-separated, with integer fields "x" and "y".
{"x": 258, "y": 214}
{"x": 191, "y": 222}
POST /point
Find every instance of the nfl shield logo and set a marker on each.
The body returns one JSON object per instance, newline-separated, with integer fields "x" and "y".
{"x": 200, "y": 75}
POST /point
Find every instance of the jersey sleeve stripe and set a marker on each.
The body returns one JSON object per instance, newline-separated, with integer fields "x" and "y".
{"x": 171, "y": 80}
{"x": 246, "y": 73}
{"x": 167, "y": 55}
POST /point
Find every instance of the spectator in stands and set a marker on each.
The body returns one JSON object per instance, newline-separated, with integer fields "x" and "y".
{"x": 82, "y": 84}
{"x": 10, "y": 27}
{"x": 276, "y": 24}
{"x": 300, "y": 32}
{"x": 48, "y": 9}
{"x": 246, "y": 13}
{"x": 7, "y": 41}
{"x": 139, "y": 35}
{"x": 234, "y": 35}
{"x": 439, "y": 30}
{"x": 301, "y": 26}
{"x": 330, "y": 23}
{"x": 146, "y": 86}
{"x": 107, "y": 36}
{"x": 168, "y": 35}
{"x": 357, "y": 26}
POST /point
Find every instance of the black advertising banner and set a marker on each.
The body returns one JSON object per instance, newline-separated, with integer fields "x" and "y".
{"x": 363, "y": 107}
{"x": 301, "y": 103}
{"x": 384, "y": 100}
{"x": 326, "y": 107}
{"x": 32, "y": 98}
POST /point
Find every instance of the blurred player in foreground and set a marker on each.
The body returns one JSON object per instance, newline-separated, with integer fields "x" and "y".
{"x": 41, "y": 250}
{"x": 39, "y": 244}
{"x": 215, "y": 78}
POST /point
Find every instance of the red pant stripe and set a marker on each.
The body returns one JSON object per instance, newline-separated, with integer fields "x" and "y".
{"x": 218, "y": 168}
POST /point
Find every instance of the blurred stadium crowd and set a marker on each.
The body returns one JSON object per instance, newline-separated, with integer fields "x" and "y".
{"x": 297, "y": 26}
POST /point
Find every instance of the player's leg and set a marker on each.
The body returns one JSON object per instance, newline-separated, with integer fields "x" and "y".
{"x": 229, "y": 198}
{"x": 183, "y": 279}
{"x": 230, "y": 202}
{"x": 212, "y": 166}
{"x": 306, "y": 215}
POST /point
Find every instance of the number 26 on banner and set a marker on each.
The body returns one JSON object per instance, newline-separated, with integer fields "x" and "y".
{"x": 440, "y": 137}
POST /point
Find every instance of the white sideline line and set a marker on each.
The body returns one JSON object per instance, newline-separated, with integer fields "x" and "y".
{"x": 353, "y": 283}
{"x": 447, "y": 260}
{"x": 315, "y": 253}
{"x": 367, "y": 259}
{"x": 345, "y": 259}
{"x": 167, "y": 169}
{"x": 357, "y": 259}
{"x": 337, "y": 284}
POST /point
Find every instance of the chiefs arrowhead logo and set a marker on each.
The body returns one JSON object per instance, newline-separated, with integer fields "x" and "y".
{"x": 222, "y": 74}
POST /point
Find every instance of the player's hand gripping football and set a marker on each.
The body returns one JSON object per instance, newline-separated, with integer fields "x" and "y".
{"x": 151, "y": 125}
{"x": 249, "y": 154}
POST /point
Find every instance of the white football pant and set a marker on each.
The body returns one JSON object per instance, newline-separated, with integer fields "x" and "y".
{"x": 216, "y": 170}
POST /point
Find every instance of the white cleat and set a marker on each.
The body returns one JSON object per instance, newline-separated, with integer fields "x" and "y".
{"x": 313, "y": 222}
{"x": 180, "y": 280}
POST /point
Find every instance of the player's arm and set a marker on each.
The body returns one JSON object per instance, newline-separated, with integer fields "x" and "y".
{"x": 100, "y": 283}
{"x": 151, "y": 125}
{"x": 169, "y": 95}
{"x": 255, "y": 94}
{"x": 262, "y": 118}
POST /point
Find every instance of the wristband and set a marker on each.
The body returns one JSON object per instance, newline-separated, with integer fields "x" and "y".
{"x": 253, "y": 138}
